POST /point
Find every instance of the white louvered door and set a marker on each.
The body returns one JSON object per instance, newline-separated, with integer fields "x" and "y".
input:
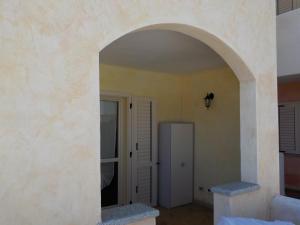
{"x": 144, "y": 151}
{"x": 289, "y": 128}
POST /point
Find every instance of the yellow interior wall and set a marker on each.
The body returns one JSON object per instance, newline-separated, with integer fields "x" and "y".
{"x": 217, "y": 129}
{"x": 180, "y": 98}
{"x": 165, "y": 88}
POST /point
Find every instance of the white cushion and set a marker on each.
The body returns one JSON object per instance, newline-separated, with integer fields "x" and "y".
{"x": 285, "y": 208}
{"x": 249, "y": 221}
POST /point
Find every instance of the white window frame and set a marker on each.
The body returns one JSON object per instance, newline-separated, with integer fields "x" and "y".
{"x": 110, "y": 97}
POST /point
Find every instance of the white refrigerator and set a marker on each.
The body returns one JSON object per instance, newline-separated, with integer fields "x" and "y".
{"x": 176, "y": 167}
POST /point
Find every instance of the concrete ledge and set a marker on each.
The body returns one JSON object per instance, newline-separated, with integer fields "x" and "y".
{"x": 127, "y": 214}
{"x": 235, "y": 188}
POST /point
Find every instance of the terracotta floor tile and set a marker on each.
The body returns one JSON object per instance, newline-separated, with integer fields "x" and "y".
{"x": 191, "y": 214}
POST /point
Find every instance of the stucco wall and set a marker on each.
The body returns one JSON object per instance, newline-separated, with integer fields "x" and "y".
{"x": 292, "y": 171}
{"x": 49, "y": 71}
{"x": 289, "y": 92}
{"x": 180, "y": 98}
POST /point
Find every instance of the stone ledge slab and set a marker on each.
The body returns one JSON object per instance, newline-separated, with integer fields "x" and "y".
{"x": 127, "y": 214}
{"x": 235, "y": 188}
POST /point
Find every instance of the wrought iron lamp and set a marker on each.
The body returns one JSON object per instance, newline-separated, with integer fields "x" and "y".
{"x": 208, "y": 99}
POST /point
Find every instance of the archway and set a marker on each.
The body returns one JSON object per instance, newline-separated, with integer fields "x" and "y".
{"x": 247, "y": 89}
{"x": 247, "y": 92}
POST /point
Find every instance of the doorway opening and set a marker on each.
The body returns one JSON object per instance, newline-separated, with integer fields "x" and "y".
{"x": 128, "y": 164}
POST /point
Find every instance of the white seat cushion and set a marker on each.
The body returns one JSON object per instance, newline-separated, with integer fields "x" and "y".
{"x": 285, "y": 208}
{"x": 249, "y": 221}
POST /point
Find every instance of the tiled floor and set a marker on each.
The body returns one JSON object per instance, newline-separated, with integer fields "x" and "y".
{"x": 191, "y": 214}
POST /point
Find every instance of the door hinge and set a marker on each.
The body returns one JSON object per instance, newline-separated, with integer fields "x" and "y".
{"x": 130, "y": 105}
{"x": 136, "y": 146}
{"x": 130, "y": 154}
{"x": 136, "y": 189}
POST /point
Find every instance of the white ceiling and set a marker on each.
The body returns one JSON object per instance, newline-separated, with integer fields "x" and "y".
{"x": 163, "y": 51}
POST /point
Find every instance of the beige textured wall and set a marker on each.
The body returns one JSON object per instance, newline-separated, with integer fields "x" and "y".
{"x": 180, "y": 98}
{"x": 49, "y": 95}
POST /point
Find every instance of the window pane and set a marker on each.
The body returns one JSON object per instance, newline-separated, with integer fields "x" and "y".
{"x": 109, "y": 129}
{"x": 109, "y": 184}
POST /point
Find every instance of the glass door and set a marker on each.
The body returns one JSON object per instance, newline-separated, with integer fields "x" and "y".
{"x": 110, "y": 162}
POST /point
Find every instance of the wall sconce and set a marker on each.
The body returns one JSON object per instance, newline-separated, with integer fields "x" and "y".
{"x": 208, "y": 99}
